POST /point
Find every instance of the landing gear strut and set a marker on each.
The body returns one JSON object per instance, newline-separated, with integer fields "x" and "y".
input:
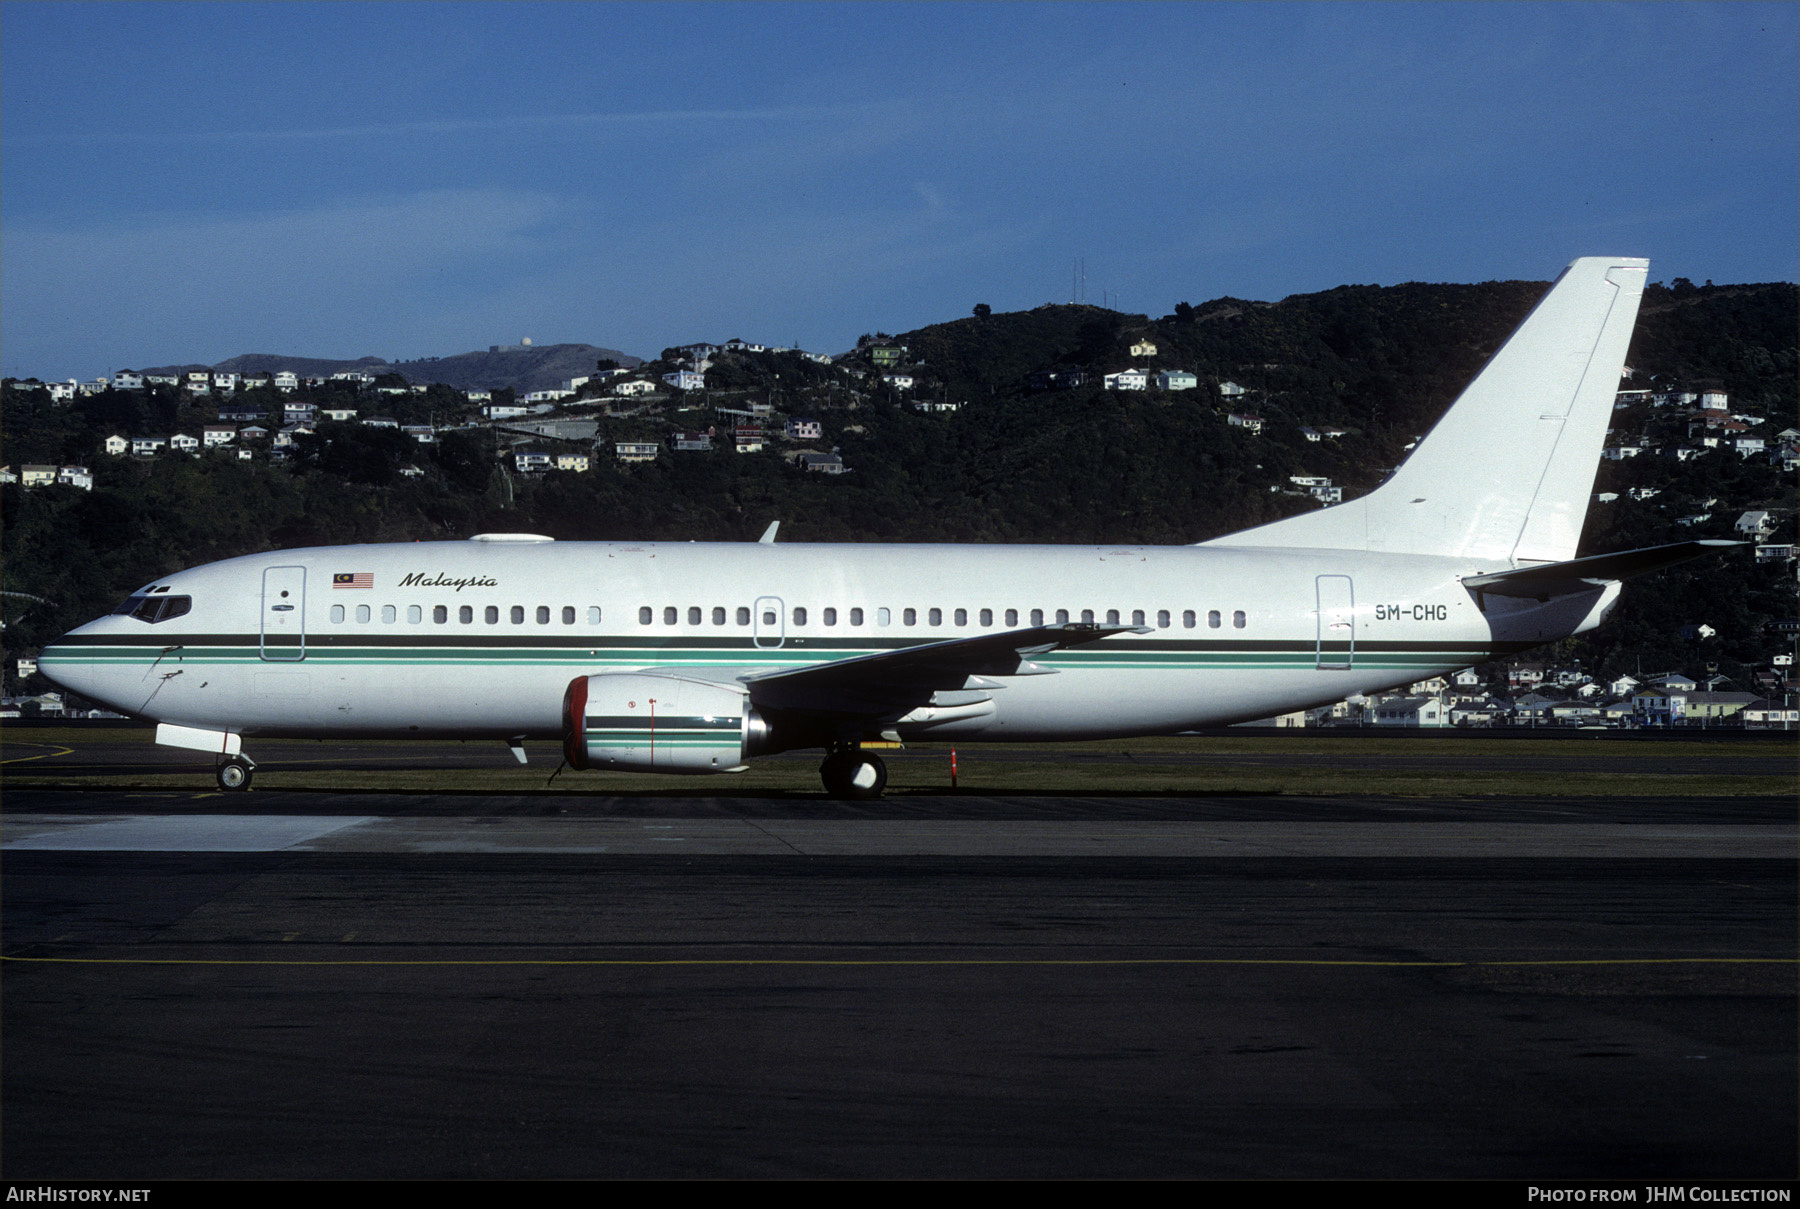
{"x": 850, "y": 772}
{"x": 234, "y": 774}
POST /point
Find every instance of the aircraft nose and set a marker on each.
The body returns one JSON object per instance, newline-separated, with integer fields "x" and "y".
{"x": 77, "y": 664}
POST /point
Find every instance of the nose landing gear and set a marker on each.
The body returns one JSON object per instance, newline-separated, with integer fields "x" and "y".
{"x": 852, "y": 773}
{"x": 234, "y": 773}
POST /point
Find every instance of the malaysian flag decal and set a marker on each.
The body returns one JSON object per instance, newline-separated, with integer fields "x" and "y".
{"x": 360, "y": 579}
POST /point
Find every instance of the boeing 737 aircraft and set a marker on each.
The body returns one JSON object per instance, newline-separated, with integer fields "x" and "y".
{"x": 694, "y": 658}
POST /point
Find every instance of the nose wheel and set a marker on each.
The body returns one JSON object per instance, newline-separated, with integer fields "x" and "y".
{"x": 234, "y": 774}
{"x": 854, "y": 774}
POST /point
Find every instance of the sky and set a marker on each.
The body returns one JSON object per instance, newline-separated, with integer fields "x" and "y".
{"x": 184, "y": 183}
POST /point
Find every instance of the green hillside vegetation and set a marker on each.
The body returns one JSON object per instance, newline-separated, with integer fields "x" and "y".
{"x": 1013, "y": 465}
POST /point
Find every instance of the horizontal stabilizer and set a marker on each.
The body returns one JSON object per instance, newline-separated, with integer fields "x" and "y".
{"x": 1586, "y": 574}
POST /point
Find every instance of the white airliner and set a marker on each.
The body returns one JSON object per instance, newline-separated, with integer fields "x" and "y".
{"x": 692, "y": 658}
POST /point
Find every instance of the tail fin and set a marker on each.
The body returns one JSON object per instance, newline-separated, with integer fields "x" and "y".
{"x": 1506, "y": 473}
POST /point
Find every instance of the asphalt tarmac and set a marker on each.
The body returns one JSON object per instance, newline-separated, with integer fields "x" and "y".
{"x": 275, "y": 984}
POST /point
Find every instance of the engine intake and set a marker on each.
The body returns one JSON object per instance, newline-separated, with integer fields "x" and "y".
{"x": 653, "y": 722}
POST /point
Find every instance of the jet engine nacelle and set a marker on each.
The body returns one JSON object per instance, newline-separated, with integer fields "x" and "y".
{"x": 654, "y": 722}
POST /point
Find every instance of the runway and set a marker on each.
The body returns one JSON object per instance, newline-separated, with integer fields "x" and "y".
{"x": 276, "y": 984}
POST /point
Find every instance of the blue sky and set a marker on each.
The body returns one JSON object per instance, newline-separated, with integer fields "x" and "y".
{"x": 190, "y": 182}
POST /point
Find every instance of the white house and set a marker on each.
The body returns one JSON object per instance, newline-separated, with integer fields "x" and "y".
{"x": 1127, "y": 379}
{"x": 116, "y": 445}
{"x": 635, "y": 451}
{"x": 1409, "y": 711}
{"x": 1176, "y": 379}
{"x": 1239, "y": 419}
{"x": 686, "y": 379}
{"x": 217, "y": 434}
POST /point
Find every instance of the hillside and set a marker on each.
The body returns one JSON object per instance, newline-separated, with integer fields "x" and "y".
{"x": 539, "y": 367}
{"x": 1014, "y": 464}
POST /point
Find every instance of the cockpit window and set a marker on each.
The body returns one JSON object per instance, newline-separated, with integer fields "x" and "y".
{"x": 155, "y": 608}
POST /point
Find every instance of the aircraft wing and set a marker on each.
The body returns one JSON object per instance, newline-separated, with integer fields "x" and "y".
{"x": 874, "y": 683}
{"x": 1586, "y": 574}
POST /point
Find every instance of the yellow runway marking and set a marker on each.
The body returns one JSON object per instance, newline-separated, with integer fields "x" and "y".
{"x": 43, "y": 755}
{"x": 923, "y": 961}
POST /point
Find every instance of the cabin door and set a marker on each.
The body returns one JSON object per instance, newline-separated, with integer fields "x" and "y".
{"x": 1337, "y": 622}
{"x": 769, "y": 630}
{"x": 284, "y": 614}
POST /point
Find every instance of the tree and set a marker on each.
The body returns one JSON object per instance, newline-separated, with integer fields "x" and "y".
{"x": 983, "y": 310}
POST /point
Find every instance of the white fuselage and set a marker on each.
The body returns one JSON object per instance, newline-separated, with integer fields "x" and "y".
{"x": 481, "y": 638}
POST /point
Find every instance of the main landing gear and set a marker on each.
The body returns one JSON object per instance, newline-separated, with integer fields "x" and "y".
{"x": 234, "y": 773}
{"x": 850, "y": 772}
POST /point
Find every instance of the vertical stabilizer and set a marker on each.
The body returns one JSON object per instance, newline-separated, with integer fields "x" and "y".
{"x": 1506, "y": 473}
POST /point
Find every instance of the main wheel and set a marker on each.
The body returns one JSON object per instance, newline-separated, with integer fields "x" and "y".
{"x": 853, "y": 774}
{"x": 234, "y": 775}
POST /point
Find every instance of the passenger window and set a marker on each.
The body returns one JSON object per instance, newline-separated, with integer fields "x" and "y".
{"x": 855, "y": 616}
{"x": 883, "y": 617}
{"x": 1238, "y": 619}
{"x": 1212, "y": 619}
{"x": 414, "y": 614}
{"x": 593, "y": 614}
{"x": 644, "y": 615}
{"x": 362, "y": 612}
{"x": 1137, "y": 617}
{"x": 1162, "y": 619}
{"x": 987, "y": 617}
{"x": 518, "y": 614}
{"x": 1187, "y": 618}
{"x": 669, "y": 614}
{"x": 1012, "y": 617}
{"x": 743, "y": 615}
{"x": 718, "y": 615}
{"x": 1062, "y": 617}
{"x": 543, "y": 614}
{"x": 1087, "y": 615}
{"x": 389, "y": 614}
{"x": 830, "y": 616}
{"x": 1112, "y": 617}
{"x": 440, "y": 614}
{"x": 961, "y": 617}
{"x": 769, "y": 617}
{"x": 799, "y": 616}
{"x": 1037, "y": 617}
{"x": 337, "y": 613}
{"x": 466, "y": 614}
{"x": 935, "y": 617}
{"x": 491, "y": 615}
{"x": 693, "y": 614}
{"x": 568, "y": 614}
{"x": 909, "y": 617}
